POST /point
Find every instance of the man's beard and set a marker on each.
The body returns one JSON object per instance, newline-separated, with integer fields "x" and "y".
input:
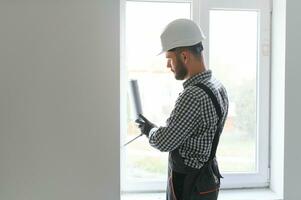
{"x": 180, "y": 69}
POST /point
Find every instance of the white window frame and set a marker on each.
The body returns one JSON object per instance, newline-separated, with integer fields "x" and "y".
{"x": 200, "y": 14}
{"x": 261, "y": 177}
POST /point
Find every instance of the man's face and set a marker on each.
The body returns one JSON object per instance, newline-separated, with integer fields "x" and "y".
{"x": 176, "y": 65}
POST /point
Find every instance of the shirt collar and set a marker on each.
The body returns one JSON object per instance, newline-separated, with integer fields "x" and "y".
{"x": 200, "y": 77}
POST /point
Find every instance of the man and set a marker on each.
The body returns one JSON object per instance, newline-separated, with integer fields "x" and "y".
{"x": 192, "y": 131}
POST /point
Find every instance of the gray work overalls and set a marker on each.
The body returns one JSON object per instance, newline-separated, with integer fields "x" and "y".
{"x": 187, "y": 183}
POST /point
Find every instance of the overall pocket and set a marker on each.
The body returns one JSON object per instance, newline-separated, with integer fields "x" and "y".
{"x": 207, "y": 181}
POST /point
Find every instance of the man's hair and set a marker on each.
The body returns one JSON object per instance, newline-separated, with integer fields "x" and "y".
{"x": 196, "y": 49}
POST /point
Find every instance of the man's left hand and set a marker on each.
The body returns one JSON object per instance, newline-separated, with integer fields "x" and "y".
{"x": 144, "y": 125}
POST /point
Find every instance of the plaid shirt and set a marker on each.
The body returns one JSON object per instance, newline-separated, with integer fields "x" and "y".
{"x": 193, "y": 121}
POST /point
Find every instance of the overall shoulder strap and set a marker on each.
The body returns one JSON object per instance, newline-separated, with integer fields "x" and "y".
{"x": 220, "y": 117}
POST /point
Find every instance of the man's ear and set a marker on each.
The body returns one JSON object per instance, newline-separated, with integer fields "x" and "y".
{"x": 185, "y": 56}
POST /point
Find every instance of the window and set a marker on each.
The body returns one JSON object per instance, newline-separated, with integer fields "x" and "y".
{"x": 236, "y": 50}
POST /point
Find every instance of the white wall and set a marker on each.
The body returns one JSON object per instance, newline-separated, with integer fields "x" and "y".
{"x": 292, "y": 140}
{"x": 59, "y": 104}
{"x": 286, "y": 98}
{"x": 277, "y": 95}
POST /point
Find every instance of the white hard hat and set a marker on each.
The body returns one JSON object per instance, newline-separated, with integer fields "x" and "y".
{"x": 181, "y": 33}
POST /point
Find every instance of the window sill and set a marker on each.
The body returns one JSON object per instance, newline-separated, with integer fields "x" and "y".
{"x": 239, "y": 194}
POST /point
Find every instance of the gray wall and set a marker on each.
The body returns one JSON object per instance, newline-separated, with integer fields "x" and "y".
{"x": 59, "y": 105}
{"x": 292, "y": 161}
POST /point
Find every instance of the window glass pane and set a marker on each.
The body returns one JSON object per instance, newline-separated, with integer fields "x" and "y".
{"x": 233, "y": 58}
{"x": 158, "y": 88}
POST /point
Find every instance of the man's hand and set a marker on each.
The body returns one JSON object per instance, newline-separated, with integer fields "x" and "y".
{"x": 144, "y": 125}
